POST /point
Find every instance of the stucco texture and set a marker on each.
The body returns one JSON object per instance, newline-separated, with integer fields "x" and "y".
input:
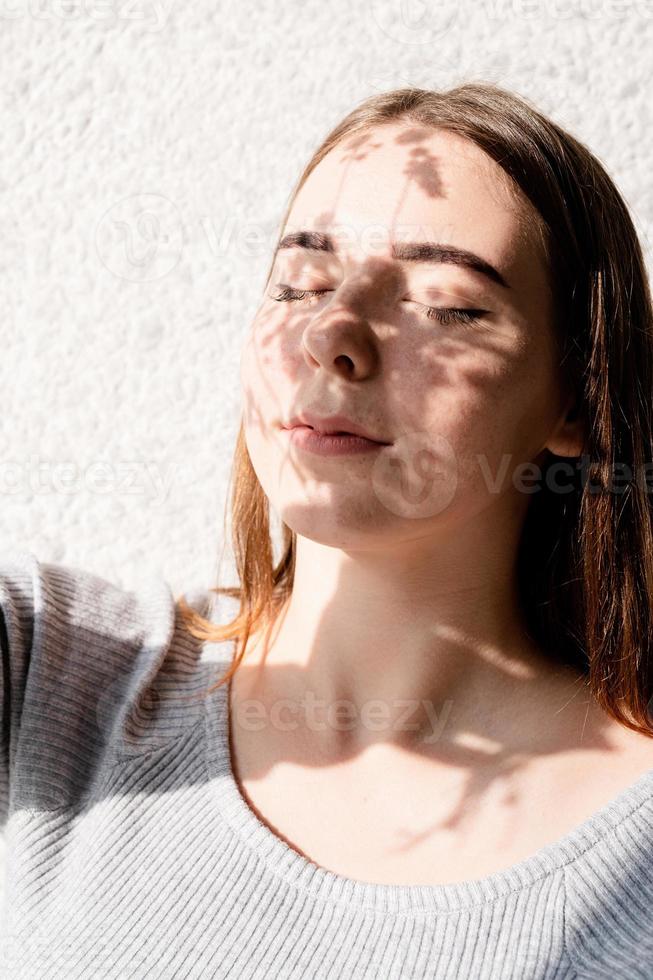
{"x": 147, "y": 153}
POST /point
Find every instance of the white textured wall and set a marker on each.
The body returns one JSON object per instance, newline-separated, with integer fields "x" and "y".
{"x": 121, "y": 334}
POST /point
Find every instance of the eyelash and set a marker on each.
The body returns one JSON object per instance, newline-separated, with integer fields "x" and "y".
{"x": 463, "y": 317}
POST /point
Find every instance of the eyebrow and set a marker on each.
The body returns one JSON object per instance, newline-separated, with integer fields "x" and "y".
{"x": 425, "y": 252}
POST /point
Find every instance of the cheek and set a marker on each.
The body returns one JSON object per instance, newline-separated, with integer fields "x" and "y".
{"x": 271, "y": 351}
{"x": 494, "y": 411}
{"x": 265, "y": 387}
{"x": 255, "y": 389}
{"x": 261, "y": 374}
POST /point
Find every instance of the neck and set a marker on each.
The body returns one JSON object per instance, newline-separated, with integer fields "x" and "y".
{"x": 418, "y": 642}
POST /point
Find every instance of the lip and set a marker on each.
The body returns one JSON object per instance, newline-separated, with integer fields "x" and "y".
{"x": 323, "y": 444}
{"x": 332, "y": 425}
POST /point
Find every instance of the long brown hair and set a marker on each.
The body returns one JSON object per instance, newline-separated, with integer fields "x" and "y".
{"x": 586, "y": 556}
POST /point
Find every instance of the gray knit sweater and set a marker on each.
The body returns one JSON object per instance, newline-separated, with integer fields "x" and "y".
{"x": 131, "y": 853}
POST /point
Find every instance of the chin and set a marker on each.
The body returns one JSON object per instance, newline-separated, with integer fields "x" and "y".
{"x": 334, "y": 520}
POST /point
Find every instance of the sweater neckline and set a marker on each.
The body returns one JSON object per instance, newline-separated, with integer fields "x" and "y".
{"x": 320, "y": 883}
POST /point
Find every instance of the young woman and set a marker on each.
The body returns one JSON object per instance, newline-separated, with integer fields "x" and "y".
{"x": 417, "y": 742}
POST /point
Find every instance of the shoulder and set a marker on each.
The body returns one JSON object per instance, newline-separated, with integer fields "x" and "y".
{"x": 61, "y": 602}
{"x": 609, "y": 884}
{"x": 91, "y": 672}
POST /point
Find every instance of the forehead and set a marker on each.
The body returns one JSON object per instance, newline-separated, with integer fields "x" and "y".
{"x": 410, "y": 182}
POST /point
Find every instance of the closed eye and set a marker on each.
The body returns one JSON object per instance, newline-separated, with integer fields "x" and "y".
{"x": 451, "y": 314}
{"x": 290, "y": 295}
{"x": 443, "y": 314}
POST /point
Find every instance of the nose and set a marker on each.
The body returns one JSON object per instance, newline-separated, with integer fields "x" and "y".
{"x": 340, "y": 338}
{"x": 341, "y": 342}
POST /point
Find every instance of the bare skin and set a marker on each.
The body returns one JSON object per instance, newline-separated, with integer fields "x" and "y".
{"x": 405, "y": 594}
{"x": 448, "y": 805}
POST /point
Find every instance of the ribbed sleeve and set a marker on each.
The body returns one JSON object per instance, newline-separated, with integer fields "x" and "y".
{"x": 79, "y": 662}
{"x": 609, "y": 922}
{"x": 16, "y": 630}
{"x": 131, "y": 853}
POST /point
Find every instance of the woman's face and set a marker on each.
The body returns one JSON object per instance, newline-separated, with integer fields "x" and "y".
{"x": 459, "y": 402}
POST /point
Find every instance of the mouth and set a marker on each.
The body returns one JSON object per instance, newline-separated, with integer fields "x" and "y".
{"x": 332, "y": 432}
{"x": 335, "y": 425}
{"x": 336, "y": 443}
